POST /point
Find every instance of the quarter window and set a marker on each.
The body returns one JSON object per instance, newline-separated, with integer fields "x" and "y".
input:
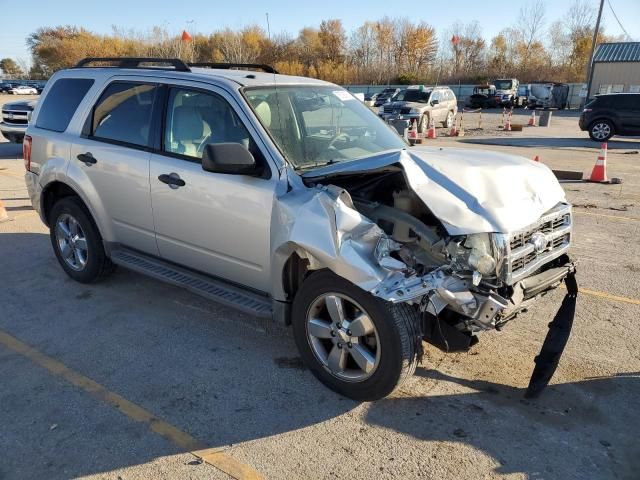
{"x": 123, "y": 113}
{"x": 61, "y": 103}
{"x": 196, "y": 119}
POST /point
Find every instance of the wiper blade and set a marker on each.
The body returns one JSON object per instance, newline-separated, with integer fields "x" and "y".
{"x": 317, "y": 164}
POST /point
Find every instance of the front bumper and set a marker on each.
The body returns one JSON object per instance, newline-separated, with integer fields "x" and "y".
{"x": 401, "y": 121}
{"x": 13, "y": 129}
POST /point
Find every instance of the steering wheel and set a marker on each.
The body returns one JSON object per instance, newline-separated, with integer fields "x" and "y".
{"x": 334, "y": 140}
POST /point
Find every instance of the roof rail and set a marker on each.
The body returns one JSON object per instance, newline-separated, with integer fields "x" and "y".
{"x": 229, "y": 66}
{"x": 135, "y": 62}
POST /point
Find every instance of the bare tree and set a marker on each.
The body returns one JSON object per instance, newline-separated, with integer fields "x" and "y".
{"x": 530, "y": 26}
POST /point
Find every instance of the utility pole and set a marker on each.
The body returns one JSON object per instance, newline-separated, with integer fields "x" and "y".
{"x": 593, "y": 47}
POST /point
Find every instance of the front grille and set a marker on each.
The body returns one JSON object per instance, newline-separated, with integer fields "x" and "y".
{"x": 530, "y": 248}
{"x": 388, "y": 109}
{"x": 14, "y": 117}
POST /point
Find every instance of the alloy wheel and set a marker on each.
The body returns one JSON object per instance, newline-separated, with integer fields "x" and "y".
{"x": 72, "y": 242}
{"x": 601, "y": 131}
{"x": 343, "y": 337}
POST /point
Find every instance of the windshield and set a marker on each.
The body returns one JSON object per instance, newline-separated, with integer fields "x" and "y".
{"x": 541, "y": 91}
{"x": 317, "y": 125}
{"x": 413, "y": 95}
{"x": 503, "y": 84}
{"x": 484, "y": 90}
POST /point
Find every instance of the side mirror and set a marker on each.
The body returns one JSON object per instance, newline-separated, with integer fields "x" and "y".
{"x": 434, "y": 102}
{"x": 230, "y": 158}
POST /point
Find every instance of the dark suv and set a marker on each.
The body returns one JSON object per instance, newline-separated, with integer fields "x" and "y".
{"x": 611, "y": 114}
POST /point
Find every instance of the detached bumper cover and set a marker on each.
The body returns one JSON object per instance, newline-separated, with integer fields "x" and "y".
{"x": 556, "y": 340}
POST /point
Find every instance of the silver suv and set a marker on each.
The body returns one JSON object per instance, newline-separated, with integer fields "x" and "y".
{"x": 420, "y": 104}
{"x": 288, "y": 198}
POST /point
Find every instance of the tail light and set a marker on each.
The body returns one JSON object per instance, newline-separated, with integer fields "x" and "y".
{"x": 26, "y": 152}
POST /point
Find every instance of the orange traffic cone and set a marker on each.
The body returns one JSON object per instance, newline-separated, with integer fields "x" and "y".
{"x": 599, "y": 172}
{"x": 413, "y": 131}
{"x": 532, "y": 120}
{"x": 4, "y": 216}
{"x": 431, "y": 132}
{"x": 536, "y": 158}
{"x": 507, "y": 127}
{"x": 454, "y": 131}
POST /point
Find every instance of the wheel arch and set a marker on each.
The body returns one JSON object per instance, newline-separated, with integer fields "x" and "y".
{"x": 56, "y": 190}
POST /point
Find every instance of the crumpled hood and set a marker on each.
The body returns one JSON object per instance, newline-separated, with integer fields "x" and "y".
{"x": 469, "y": 191}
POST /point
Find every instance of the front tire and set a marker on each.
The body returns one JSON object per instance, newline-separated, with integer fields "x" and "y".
{"x": 423, "y": 124}
{"x": 448, "y": 122}
{"x": 77, "y": 242}
{"x": 356, "y": 344}
{"x": 601, "y": 130}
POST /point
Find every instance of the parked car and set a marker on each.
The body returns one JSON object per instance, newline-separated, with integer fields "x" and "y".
{"x": 288, "y": 198}
{"x": 506, "y": 91}
{"x": 15, "y": 118}
{"x": 548, "y": 95}
{"x": 611, "y": 114}
{"x": 370, "y": 99}
{"x": 419, "y": 104}
{"x": 484, "y": 96}
{"x": 386, "y": 96}
{"x": 5, "y": 87}
{"x": 23, "y": 90}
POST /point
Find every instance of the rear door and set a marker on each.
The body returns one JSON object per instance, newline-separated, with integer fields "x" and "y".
{"x": 215, "y": 223}
{"x": 114, "y": 153}
{"x": 632, "y": 113}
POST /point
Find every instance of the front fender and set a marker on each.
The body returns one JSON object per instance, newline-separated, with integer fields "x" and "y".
{"x": 321, "y": 225}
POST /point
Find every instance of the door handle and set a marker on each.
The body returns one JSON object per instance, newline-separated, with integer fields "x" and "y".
{"x": 87, "y": 158}
{"x": 172, "y": 179}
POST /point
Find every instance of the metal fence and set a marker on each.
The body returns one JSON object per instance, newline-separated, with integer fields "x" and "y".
{"x": 463, "y": 92}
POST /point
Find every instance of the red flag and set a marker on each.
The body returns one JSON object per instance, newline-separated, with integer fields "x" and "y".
{"x": 455, "y": 39}
{"x": 186, "y": 37}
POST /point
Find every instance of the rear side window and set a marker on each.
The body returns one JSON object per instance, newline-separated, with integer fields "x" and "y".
{"x": 123, "y": 114}
{"x": 61, "y": 102}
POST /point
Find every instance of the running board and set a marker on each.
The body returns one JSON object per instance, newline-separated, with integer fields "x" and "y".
{"x": 216, "y": 290}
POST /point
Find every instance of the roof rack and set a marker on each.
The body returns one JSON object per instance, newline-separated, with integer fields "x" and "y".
{"x": 135, "y": 62}
{"x": 229, "y": 66}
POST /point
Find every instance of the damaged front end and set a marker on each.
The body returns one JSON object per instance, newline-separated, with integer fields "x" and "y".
{"x": 373, "y": 229}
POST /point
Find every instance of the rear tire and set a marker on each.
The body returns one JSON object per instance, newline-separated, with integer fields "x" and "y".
{"x": 77, "y": 242}
{"x": 392, "y": 344}
{"x": 601, "y": 130}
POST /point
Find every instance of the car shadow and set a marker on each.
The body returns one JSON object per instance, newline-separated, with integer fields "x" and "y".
{"x": 554, "y": 142}
{"x": 526, "y": 436}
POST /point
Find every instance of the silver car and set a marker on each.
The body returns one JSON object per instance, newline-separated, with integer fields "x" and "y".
{"x": 419, "y": 105}
{"x": 288, "y": 198}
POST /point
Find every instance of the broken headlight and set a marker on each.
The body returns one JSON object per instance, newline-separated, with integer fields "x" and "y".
{"x": 474, "y": 252}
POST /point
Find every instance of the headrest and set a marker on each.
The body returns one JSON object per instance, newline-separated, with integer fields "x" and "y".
{"x": 263, "y": 110}
{"x": 187, "y": 124}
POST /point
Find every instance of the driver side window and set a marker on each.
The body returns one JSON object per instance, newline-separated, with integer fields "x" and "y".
{"x": 195, "y": 119}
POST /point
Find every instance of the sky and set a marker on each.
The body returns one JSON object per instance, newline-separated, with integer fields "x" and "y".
{"x": 16, "y": 23}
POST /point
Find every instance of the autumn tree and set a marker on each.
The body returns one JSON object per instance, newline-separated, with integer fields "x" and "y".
{"x": 11, "y": 68}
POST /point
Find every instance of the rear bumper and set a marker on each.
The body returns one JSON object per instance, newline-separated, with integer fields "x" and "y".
{"x": 35, "y": 191}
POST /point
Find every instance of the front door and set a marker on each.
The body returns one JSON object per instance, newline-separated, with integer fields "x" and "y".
{"x": 215, "y": 223}
{"x": 114, "y": 156}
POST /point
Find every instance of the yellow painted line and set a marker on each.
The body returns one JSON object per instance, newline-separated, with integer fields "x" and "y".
{"x": 214, "y": 457}
{"x": 608, "y": 296}
{"x": 617, "y": 217}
